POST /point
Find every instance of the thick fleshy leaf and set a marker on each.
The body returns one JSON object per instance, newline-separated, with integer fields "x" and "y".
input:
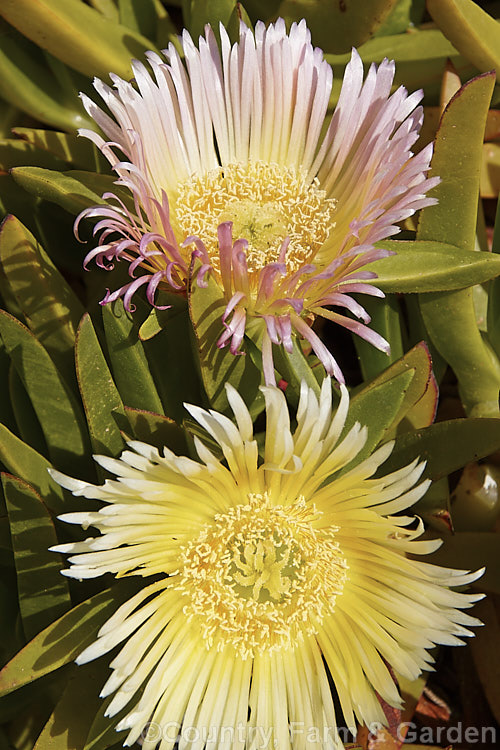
{"x": 172, "y": 358}
{"x": 471, "y": 30}
{"x": 219, "y": 366}
{"x": 238, "y": 15}
{"x": 378, "y": 407}
{"x": 23, "y": 461}
{"x": 420, "y": 60}
{"x": 63, "y": 640}
{"x": 102, "y": 733}
{"x": 107, "y": 8}
{"x": 100, "y": 397}
{"x": 28, "y": 83}
{"x": 67, "y": 147}
{"x": 11, "y": 637}
{"x": 128, "y": 360}
{"x": 153, "y": 323}
{"x": 157, "y": 430}
{"x": 450, "y": 316}
{"x": 457, "y": 160}
{"x": 336, "y": 27}
{"x": 72, "y": 190}
{"x": 493, "y": 309}
{"x": 450, "y": 321}
{"x": 49, "y": 305}
{"x": 77, "y": 34}
{"x": 27, "y": 423}
{"x": 418, "y": 361}
{"x": 386, "y": 320}
{"x": 294, "y": 369}
{"x": 209, "y": 11}
{"x": 432, "y": 267}
{"x": 406, "y": 15}
{"x": 58, "y": 411}
{"x": 446, "y": 446}
{"x": 471, "y": 551}
{"x": 164, "y": 30}
{"x": 15, "y": 153}
{"x": 26, "y": 709}
{"x": 7, "y": 416}
{"x": 74, "y": 713}
{"x": 139, "y": 15}
{"x": 490, "y": 168}
{"x": 43, "y": 592}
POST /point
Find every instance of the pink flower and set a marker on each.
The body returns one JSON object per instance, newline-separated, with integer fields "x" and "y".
{"x": 223, "y": 157}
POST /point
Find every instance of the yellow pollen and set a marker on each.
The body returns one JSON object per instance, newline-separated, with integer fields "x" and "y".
{"x": 261, "y": 577}
{"x": 266, "y": 203}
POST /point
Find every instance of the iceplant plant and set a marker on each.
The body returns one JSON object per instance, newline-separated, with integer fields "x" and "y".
{"x": 223, "y": 158}
{"x": 262, "y": 579}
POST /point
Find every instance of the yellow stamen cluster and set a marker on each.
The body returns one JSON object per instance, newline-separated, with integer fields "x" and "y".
{"x": 266, "y": 203}
{"x": 260, "y": 577}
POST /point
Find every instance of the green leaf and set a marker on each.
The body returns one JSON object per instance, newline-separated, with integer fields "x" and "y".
{"x": 28, "y": 83}
{"x": 386, "y": 320}
{"x": 294, "y": 368}
{"x": 154, "y": 323}
{"x": 336, "y": 27}
{"x": 15, "y": 153}
{"x": 43, "y": 592}
{"x": 493, "y": 309}
{"x": 102, "y": 733}
{"x": 425, "y": 266}
{"x": 49, "y": 305}
{"x": 157, "y": 430}
{"x": 73, "y": 190}
{"x": 378, "y": 408}
{"x": 420, "y": 59}
{"x": 457, "y": 161}
{"x": 471, "y": 551}
{"x": 450, "y": 316}
{"x": 471, "y": 31}
{"x": 74, "y": 713}
{"x": 62, "y": 641}
{"x": 62, "y": 27}
{"x": 173, "y": 362}
{"x": 417, "y": 360}
{"x": 219, "y": 366}
{"x": 128, "y": 360}
{"x": 446, "y": 446}
{"x": 238, "y": 15}
{"x": 27, "y": 422}
{"x": 7, "y": 416}
{"x": 404, "y": 16}
{"x": 12, "y": 639}
{"x": 149, "y": 18}
{"x": 57, "y": 409}
{"x": 450, "y": 321}
{"x": 100, "y": 397}
{"x": 69, "y": 148}
{"x": 209, "y": 11}
{"x": 21, "y": 459}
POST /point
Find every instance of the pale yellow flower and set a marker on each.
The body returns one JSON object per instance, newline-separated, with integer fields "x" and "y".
{"x": 262, "y": 578}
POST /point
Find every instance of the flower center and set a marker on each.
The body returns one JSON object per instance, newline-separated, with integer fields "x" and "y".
{"x": 261, "y": 577}
{"x": 266, "y": 203}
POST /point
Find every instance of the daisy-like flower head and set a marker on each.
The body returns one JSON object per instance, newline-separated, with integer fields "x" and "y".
{"x": 266, "y": 576}
{"x": 223, "y": 156}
